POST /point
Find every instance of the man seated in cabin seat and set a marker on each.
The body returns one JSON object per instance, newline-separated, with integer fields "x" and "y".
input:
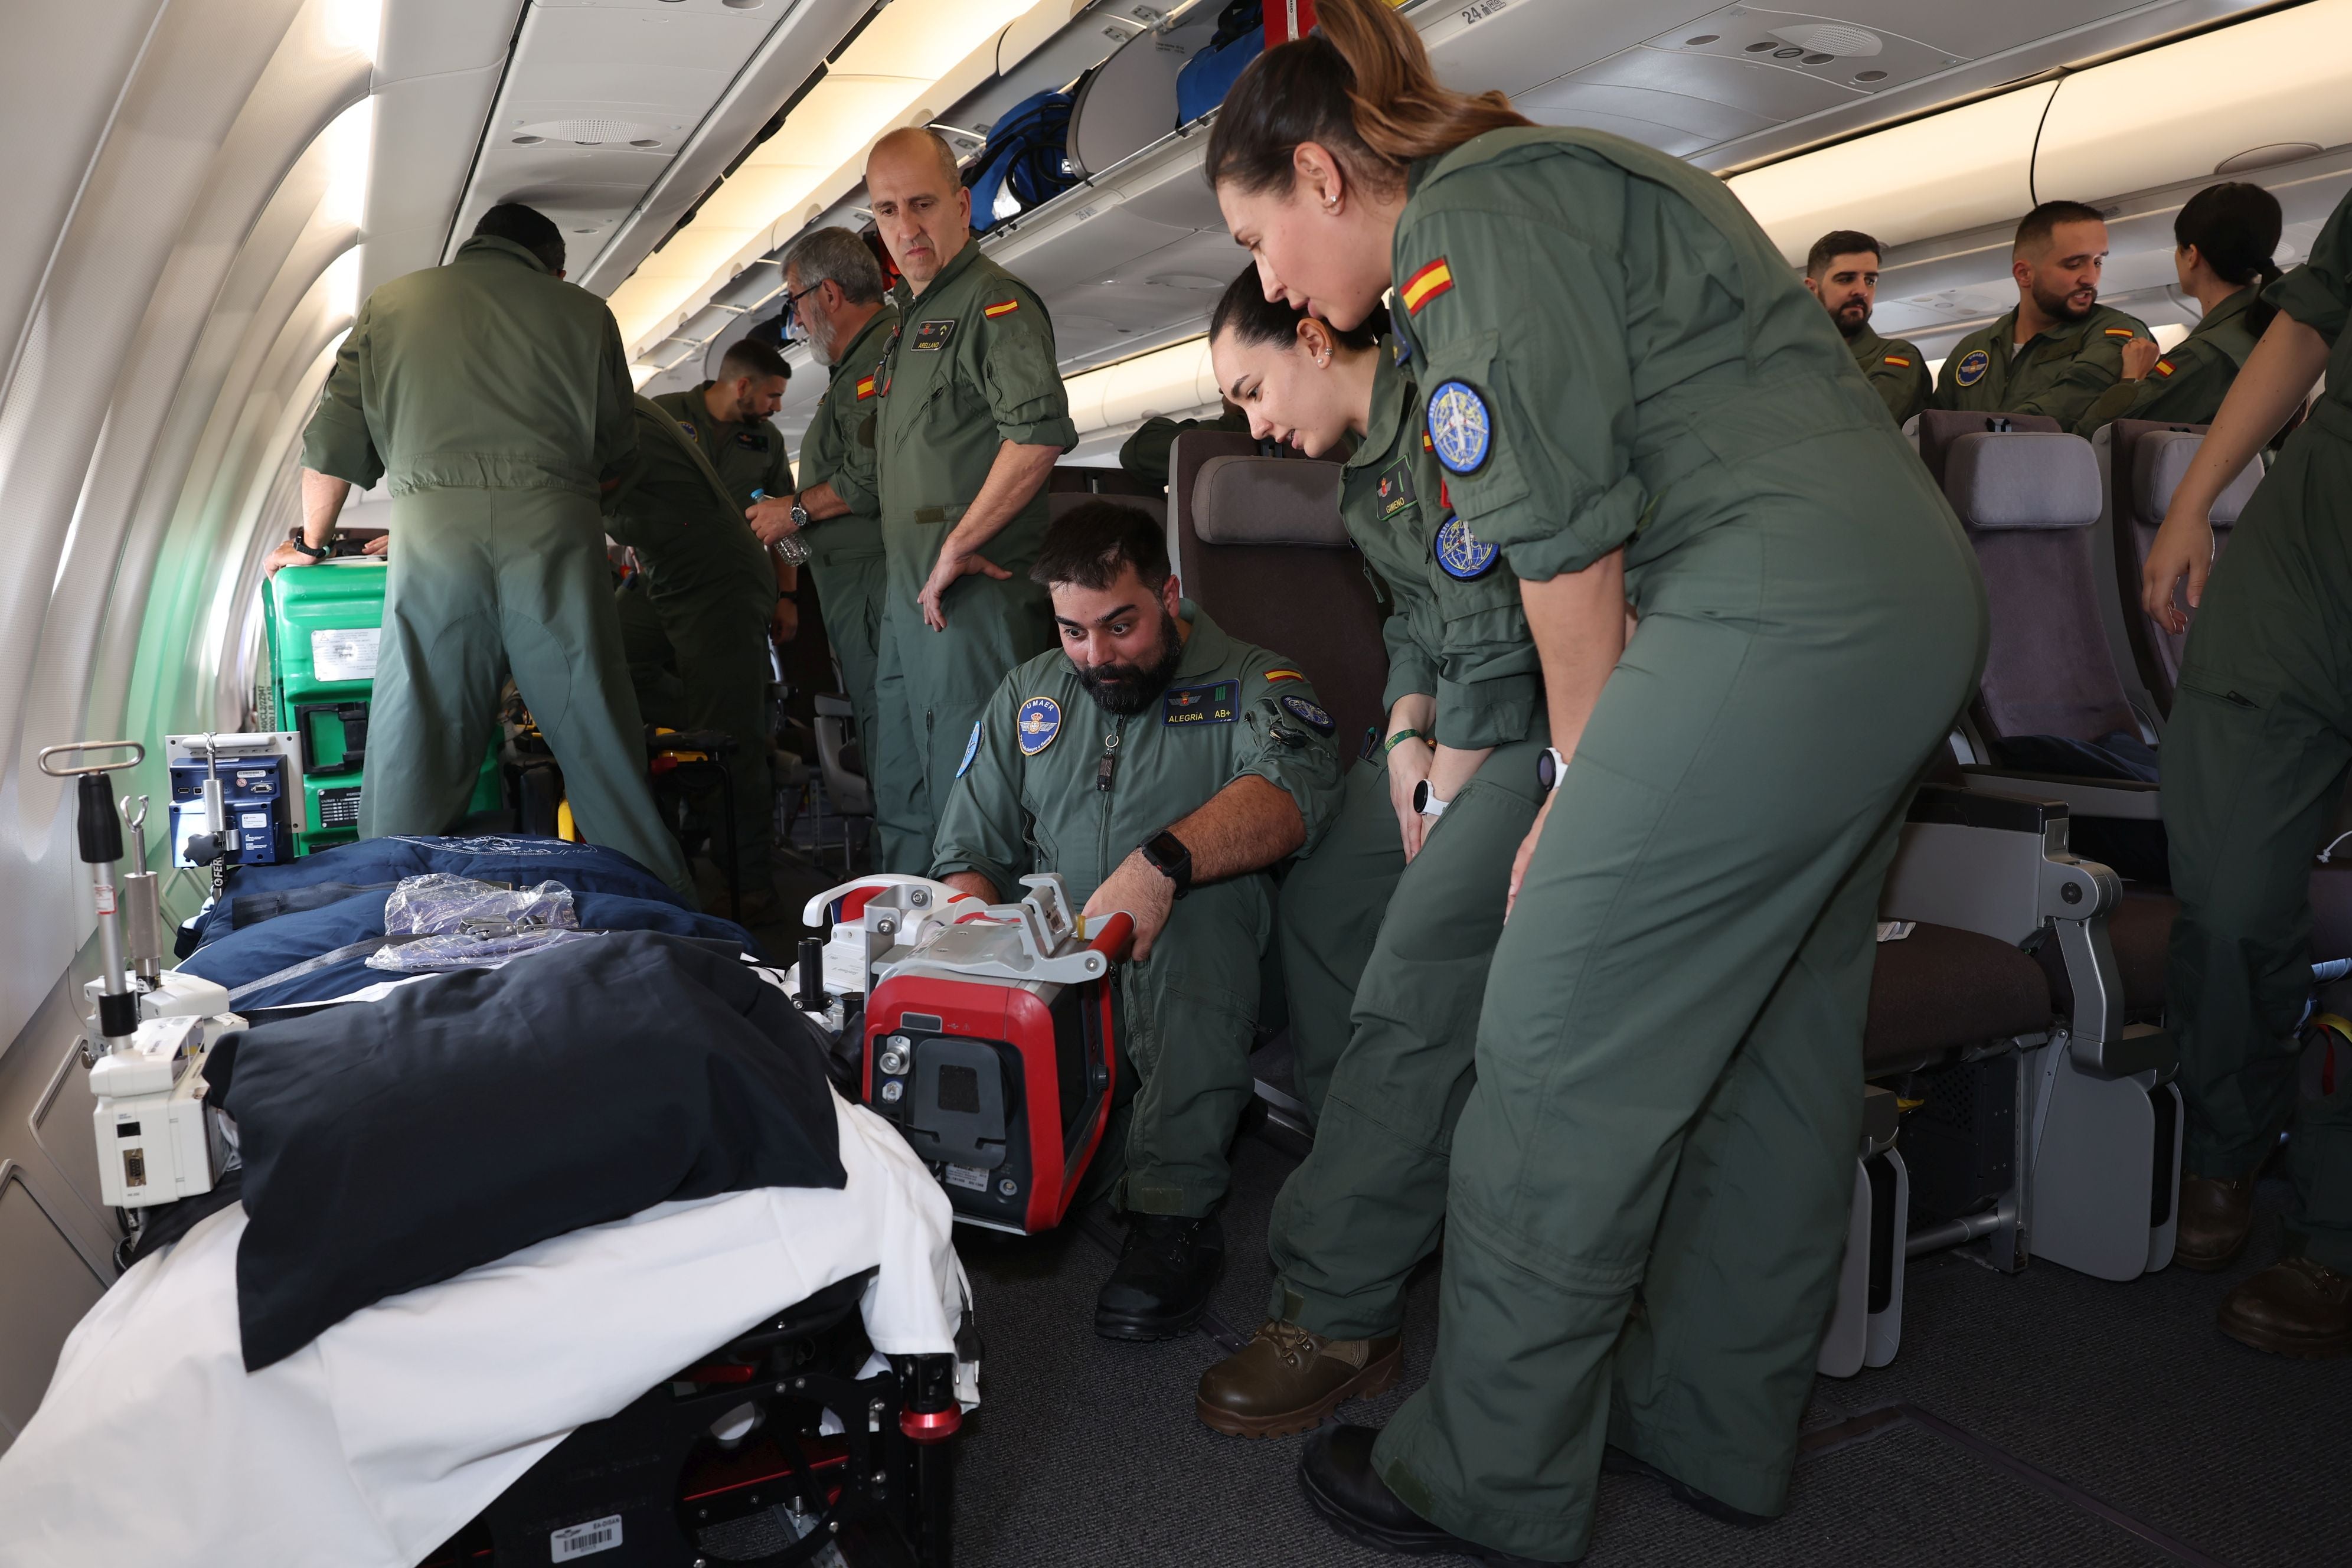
{"x": 1842, "y": 272}
{"x": 1163, "y": 768}
{"x": 494, "y": 399}
{"x": 2060, "y": 349}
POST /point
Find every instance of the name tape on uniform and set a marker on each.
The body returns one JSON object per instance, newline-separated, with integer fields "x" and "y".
{"x": 930, "y": 337}
{"x": 1395, "y": 491}
{"x": 1212, "y": 704}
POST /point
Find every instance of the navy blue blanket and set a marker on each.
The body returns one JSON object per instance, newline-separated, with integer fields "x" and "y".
{"x": 239, "y": 957}
{"x": 393, "y": 1145}
{"x": 377, "y": 863}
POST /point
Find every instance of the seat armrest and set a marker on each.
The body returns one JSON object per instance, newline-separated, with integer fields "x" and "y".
{"x": 829, "y": 706}
{"x": 2130, "y": 799}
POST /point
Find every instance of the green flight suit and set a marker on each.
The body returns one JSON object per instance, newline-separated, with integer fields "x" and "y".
{"x": 696, "y": 617}
{"x": 1387, "y": 963}
{"x": 2060, "y": 374}
{"x": 2187, "y": 386}
{"x": 1027, "y": 798}
{"x": 495, "y": 399}
{"x": 1896, "y": 370}
{"x": 749, "y": 454}
{"x": 1145, "y": 453}
{"x": 970, "y": 366}
{"x": 846, "y": 553}
{"x": 1653, "y": 1173}
{"x": 2255, "y": 757}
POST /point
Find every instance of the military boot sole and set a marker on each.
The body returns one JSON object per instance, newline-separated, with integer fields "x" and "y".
{"x": 2210, "y": 1262}
{"x": 1375, "y": 1379}
{"x": 2299, "y": 1347}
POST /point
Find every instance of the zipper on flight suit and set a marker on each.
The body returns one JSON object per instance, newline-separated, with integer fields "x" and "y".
{"x": 1105, "y": 772}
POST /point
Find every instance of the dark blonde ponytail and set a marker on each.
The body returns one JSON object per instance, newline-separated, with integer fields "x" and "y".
{"x": 1361, "y": 85}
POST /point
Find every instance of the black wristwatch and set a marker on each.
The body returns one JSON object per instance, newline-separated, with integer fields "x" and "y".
{"x": 800, "y": 512}
{"x": 1170, "y": 859}
{"x": 318, "y": 552}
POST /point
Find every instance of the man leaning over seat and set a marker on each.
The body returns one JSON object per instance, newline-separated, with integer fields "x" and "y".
{"x": 1162, "y": 768}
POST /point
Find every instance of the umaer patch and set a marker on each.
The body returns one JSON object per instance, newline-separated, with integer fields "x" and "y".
{"x": 1396, "y": 492}
{"x": 1036, "y": 724}
{"x": 691, "y": 433}
{"x": 1212, "y": 704}
{"x": 1426, "y": 285}
{"x": 930, "y": 337}
{"x": 1308, "y": 714}
{"x": 1972, "y": 367}
{"x": 971, "y": 750}
{"x": 1459, "y": 428}
{"x": 1002, "y": 308}
{"x": 1462, "y": 554}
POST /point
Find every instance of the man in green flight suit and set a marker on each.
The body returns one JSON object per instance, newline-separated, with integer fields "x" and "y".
{"x": 692, "y": 667}
{"x": 499, "y": 565}
{"x": 1152, "y": 760}
{"x": 835, "y": 290}
{"x": 972, "y": 416}
{"x": 706, "y": 589}
{"x": 1841, "y": 271}
{"x": 2060, "y": 349}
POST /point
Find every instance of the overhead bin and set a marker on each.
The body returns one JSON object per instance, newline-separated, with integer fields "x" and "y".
{"x": 2262, "y": 91}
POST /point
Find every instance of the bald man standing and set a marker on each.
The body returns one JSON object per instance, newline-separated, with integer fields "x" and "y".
{"x": 972, "y": 417}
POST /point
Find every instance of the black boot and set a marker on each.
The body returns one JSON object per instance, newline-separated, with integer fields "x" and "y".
{"x": 1165, "y": 1273}
{"x": 1335, "y": 1472}
{"x": 1618, "y": 1462}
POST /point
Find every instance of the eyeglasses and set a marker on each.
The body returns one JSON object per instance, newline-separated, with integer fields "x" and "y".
{"x": 790, "y": 317}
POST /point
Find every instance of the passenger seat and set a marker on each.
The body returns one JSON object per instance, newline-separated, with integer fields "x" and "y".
{"x": 2144, "y": 462}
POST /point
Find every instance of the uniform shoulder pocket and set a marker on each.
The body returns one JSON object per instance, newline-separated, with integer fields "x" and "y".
{"x": 1474, "y": 431}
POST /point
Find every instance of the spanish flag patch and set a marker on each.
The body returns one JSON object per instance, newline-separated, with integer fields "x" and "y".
{"x": 1274, "y": 675}
{"x": 1426, "y": 444}
{"x": 2121, "y": 332}
{"x": 864, "y": 387}
{"x": 1002, "y": 308}
{"x": 1426, "y": 285}
{"x": 2164, "y": 367}
{"x": 1898, "y": 361}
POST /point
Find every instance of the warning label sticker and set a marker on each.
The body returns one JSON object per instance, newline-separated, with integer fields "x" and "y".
{"x": 965, "y": 1176}
{"x": 344, "y": 654}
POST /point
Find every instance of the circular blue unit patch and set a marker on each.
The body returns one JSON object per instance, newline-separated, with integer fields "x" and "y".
{"x": 1460, "y": 430}
{"x": 1972, "y": 367}
{"x": 1462, "y": 554}
{"x": 971, "y": 750}
{"x": 1308, "y": 714}
{"x": 1039, "y": 721}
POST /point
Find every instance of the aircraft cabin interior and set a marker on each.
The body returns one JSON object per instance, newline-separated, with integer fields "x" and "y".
{"x": 407, "y": 1162}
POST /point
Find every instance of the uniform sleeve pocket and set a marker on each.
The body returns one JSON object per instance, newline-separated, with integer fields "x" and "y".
{"x": 1464, "y": 412}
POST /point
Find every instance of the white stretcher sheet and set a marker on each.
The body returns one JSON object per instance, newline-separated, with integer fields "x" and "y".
{"x": 378, "y": 1440}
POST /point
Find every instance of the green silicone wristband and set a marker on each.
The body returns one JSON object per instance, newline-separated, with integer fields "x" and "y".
{"x": 1399, "y": 739}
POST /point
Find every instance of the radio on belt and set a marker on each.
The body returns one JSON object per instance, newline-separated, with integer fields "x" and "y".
{"x": 988, "y": 1034}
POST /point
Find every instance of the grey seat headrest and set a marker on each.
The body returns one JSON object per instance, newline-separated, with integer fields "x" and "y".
{"x": 1268, "y": 500}
{"x": 2160, "y": 461}
{"x": 2023, "y": 480}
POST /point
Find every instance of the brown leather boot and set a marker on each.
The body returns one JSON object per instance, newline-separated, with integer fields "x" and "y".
{"x": 2295, "y": 1307}
{"x": 2215, "y": 1217}
{"x": 1287, "y": 1379}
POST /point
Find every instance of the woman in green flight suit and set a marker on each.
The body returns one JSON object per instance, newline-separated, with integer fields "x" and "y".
{"x": 1387, "y": 929}
{"x": 2222, "y": 240}
{"x": 1636, "y": 402}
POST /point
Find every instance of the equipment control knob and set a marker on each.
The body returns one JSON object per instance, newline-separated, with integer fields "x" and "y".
{"x": 894, "y": 1059}
{"x": 892, "y": 1092}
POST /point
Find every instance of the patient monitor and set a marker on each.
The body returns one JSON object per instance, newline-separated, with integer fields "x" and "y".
{"x": 158, "y": 1140}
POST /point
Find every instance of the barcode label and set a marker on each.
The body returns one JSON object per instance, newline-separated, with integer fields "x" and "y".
{"x": 584, "y": 1540}
{"x": 965, "y": 1176}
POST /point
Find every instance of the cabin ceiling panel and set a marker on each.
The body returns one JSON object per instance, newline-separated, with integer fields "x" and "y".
{"x": 1522, "y": 44}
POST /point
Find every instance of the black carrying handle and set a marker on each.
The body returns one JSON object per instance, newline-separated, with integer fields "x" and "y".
{"x": 354, "y": 717}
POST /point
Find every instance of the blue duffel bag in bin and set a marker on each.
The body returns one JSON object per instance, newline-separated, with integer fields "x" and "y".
{"x": 1026, "y": 161}
{"x": 1209, "y": 75}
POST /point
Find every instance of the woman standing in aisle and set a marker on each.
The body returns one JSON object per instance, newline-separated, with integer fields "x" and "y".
{"x": 1389, "y": 926}
{"x": 1635, "y": 402}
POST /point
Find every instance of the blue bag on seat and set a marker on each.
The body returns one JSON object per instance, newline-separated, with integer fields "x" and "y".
{"x": 1209, "y": 75}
